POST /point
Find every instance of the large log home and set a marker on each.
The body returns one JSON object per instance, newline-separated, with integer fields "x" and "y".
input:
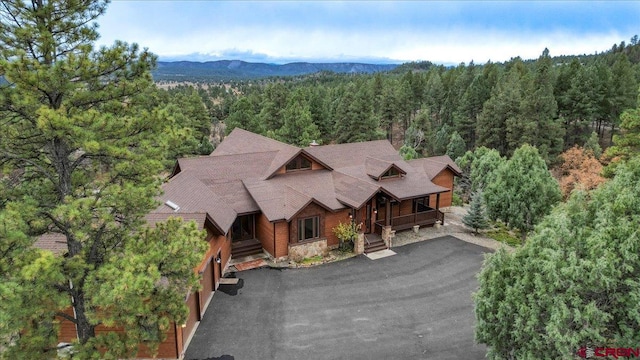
{"x": 258, "y": 195}
{"x": 267, "y": 196}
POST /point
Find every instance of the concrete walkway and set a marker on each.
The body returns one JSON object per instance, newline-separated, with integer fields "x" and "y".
{"x": 452, "y": 226}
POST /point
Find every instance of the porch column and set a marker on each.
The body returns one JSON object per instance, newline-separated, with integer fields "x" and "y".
{"x": 387, "y": 213}
{"x": 438, "y": 208}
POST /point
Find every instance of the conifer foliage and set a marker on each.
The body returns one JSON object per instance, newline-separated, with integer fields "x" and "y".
{"x": 476, "y": 218}
{"x": 80, "y": 156}
{"x": 523, "y": 190}
{"x": 574, "y": 284}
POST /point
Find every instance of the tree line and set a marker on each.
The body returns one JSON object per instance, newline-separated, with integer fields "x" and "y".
{"x": 431, "y": 110}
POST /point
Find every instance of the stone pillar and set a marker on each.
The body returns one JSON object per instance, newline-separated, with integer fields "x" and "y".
{"x": 358, "y": 244}
{"x": 387, "y": 235}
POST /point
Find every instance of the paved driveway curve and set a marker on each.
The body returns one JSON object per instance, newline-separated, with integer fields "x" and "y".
{"x": 413, "y": 305}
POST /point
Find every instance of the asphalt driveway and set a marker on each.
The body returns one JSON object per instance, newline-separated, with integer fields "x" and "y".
{"x": 413, "y": 305}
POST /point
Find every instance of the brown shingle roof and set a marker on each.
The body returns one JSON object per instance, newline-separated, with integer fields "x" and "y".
{"x": 192, "y": 196}
{"x": 54, "y": 242}
{"x": 241, "y": 176}
{"x": 345, "y": 155}
{"x": 283, "y": 196}
{"x": 154, "y": 218}
{"x": 432, "y": 166}
{"x": 376, "y": 168}
{"x": 240, "y": 141}
{"x": 353, "y": 191}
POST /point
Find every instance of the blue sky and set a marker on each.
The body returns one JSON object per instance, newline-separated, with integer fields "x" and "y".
{"x": 448, "y": 32}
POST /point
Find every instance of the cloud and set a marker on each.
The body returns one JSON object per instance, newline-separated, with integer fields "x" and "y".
{"x": 441, "y": 32}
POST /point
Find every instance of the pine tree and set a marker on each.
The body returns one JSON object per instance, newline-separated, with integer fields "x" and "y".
{"x": 522, "y": 191}
{"x": 476, "y": 218}
{"x": 354, "y": 116}
{"x": 573, "y": 284}
{"x": 456, "y": 146}
{"x": 81, "y": 155}
{"x": 298, "y": 128}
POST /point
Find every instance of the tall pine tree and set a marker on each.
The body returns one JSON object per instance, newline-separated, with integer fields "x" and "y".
{"x": 80, "y": 160}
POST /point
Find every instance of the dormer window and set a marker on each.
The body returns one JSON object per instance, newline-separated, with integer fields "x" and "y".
{"x": 299, "y": 163}
{"x": 391, "y": 173}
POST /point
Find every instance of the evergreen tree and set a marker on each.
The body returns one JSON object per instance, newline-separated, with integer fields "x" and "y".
{"x": 580, "y": 105}
{"x": 624, "y": 89}
{"x": 484, "y": 166}
{"x": 476, "y": 218}
{"x": 408, "y": 153}
{"x": 298, "y": 128}
{"x": 501, "y": 108}
{"x": 593, "y": 146}
{"x": 574, "y": 284}
{"x": 627, "y": 143}
{"x": 456, "y": 146}
{"x": 243, "y": 115}
{"x": 355, "y": 121}
{"x": 388, "y": 111}
{"x": 540, "y": 110}
{"x": 80, "y": 155}
{"x": 523, "y": 190}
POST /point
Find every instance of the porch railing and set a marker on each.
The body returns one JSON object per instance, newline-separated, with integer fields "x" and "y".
{"x": 422, "y": 218}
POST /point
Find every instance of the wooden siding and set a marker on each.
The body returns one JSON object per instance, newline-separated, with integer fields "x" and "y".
{"x": 166, "y": 349}
{"x": 217, "y": 244}
{"x": 67, "y": 328}
{"x": 395, "y": 209}
{"x": 264, "y": 233}
{"x": 282, "y": 239}
{"x": 192, "y": 319}
{"x": 406, "y": 207}
{"x": 217, "y": 274}
{"x": 332, "y": 220}
{"x": 444, "y": 178}
{"x": 206, "y": 283}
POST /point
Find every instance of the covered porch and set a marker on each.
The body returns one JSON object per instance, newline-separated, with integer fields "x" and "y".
{"x": 405, "y": 214}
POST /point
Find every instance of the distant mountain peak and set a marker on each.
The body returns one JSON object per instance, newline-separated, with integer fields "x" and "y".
{"x": 222, "y": 70}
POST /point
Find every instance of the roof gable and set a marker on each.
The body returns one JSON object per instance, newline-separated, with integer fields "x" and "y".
{"x": 377, "y": 168}
{"x": 432, "y": 166}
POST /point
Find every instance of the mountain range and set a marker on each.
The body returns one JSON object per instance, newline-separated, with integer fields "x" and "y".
{"x": 241, "y": 70}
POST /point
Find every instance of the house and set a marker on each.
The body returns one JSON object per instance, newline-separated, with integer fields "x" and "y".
{"x": 267, "y": 196}
{"x": 258, "y": 195}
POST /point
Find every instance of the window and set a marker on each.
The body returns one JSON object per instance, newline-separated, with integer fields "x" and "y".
{"x": 393, "y": 172}
{"x": 308, "y": 228}
{"x": 299, "y": 163}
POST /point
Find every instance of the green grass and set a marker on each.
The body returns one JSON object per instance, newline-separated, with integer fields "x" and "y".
{"x": 501, "y": 233}
{"x": 312, "y": 260}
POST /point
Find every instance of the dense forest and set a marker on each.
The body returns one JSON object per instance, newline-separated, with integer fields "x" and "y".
{"x": 549, "y": 150}
{"x": 552, "y": 103}
{"x": 88, "y": 139}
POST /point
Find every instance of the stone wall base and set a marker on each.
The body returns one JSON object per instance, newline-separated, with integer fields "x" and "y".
{"x": 299, "y": 252}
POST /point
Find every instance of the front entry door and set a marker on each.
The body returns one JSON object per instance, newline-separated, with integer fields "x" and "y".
{"x": 367, "y": 221}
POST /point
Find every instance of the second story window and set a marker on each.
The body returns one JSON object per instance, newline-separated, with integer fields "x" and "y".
{"x": 391, "y": 173}
{"x": 299, "y": 163}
